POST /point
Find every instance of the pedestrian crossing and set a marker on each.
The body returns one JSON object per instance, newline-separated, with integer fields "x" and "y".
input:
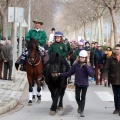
{"x": 102, "y": 95}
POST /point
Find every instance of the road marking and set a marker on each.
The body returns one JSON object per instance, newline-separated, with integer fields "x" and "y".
{"x": 104, "y": 96}
{"x": 45, "y": 96}
{"x": 71, "y": 95}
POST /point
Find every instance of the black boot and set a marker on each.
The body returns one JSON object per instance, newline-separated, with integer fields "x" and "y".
{"x": 82, "y": 108}
{"x": 79, "y": 106}
{"x": 16, "y": 66}
{"x": 23, "y": 68}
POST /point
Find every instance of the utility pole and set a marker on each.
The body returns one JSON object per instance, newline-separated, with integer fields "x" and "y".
{"x": 29, "y": 15}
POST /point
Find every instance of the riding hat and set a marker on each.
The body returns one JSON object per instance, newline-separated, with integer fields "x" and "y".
{"x": 83, "y": 53}
{"x": 58, "y": 33}
{"x": 80, "y": 43}
{"x": 38, "y": 21}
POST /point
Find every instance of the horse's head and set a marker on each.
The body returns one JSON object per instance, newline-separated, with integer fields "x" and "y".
{"x": 56, "y": 62}
{"x": 33, "y": 50}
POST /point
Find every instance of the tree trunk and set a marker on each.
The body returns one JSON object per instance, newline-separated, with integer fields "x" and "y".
{"x": 112, "y": 43}
{"x": 113, "y": 16}
{"x": 5, "y": 24}
{"x": 102, "y": 31}
{"x": 12, "y": 33}
{"x": 95, "y": 36}
{"x": 91, "y": 34}
{"x": 82, "y": 32}
{"x": 99, "y": 30}
{"x": 85, "y": 37}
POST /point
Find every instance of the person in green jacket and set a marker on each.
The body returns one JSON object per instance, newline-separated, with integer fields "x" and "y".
{"x": 59, "y": 47}
{"x": 38, "y": 34}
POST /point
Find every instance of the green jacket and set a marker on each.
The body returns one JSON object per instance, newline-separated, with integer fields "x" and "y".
{"x": 76, "y": 53}
{"x": 40, "y": 36}
{"x": 58, "y": 48}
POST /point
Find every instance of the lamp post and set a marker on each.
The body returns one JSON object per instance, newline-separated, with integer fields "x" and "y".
{"x": 29, "y": 15}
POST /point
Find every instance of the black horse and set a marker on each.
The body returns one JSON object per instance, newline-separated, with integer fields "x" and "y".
{"x": 56, "y": 84}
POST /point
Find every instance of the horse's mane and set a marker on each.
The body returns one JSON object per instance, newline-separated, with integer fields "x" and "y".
{"x": 55, "y": 58}
{"x": 31, "y": 42}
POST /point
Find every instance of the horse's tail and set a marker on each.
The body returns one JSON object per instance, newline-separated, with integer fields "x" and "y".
{"x": 42, "y": 82}
{"x": 17, "y": 62}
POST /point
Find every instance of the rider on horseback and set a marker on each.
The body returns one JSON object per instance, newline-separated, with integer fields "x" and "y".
{"x": 59, "y": 47}
{"x": 36, "y": 34}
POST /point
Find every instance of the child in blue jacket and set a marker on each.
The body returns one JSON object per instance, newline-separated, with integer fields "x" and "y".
{"x": 82, "y": 71}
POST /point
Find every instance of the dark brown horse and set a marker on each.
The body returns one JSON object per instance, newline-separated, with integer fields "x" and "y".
{"x": 34, "y": 69}
{"x": 56, "y": 84}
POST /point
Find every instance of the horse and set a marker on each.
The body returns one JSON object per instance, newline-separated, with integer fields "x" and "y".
{"x": 56, "y": 84}
{"x": 34, "y": 67}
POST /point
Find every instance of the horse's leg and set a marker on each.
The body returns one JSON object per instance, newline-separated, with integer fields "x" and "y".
{"x": 60, "y": 104}
{"x": 30, "y": 90}
{"x": 34, "y": 91}
{"x": 30, "y": 94}
{"x": 38, "y": 90}
{"x": 54, "y": 104}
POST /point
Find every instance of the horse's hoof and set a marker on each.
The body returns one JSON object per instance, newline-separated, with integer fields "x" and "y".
{"x": 38, "y": 101}
{"x": 33, "y": 99}
{"x": 60, "y": 108}
{"x": 29, "y": 103}
{"x": 52, "y": 112}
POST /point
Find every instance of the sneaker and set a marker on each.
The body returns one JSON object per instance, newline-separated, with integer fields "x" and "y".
{"x": 116, "y": 112}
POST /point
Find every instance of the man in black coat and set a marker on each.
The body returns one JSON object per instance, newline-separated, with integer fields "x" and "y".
{"x": 112, "y": 73}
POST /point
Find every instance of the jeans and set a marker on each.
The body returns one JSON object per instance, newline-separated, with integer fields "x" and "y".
{"x": 97, "y": 67}
{"x": 116, "y": 93}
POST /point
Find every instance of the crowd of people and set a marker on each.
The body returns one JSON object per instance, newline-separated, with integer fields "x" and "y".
{"x": 86, "y": 60}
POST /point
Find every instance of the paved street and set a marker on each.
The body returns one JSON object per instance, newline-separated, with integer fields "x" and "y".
{"x": 99, "y": 103}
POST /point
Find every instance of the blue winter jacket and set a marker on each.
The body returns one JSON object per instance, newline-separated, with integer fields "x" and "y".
{"x": 81, "y": 74}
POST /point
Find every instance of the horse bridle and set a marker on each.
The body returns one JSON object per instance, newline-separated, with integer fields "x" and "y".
{"x": 55, "y": 73}
{"x": 35, "y": 57}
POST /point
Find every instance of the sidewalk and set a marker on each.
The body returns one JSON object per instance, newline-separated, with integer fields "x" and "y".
{"x": 10, "y": 92}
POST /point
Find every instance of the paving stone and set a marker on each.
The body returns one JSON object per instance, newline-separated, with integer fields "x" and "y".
{"x": 10, "y": 92}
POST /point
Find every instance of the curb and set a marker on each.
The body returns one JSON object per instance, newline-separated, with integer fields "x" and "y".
{"x": 18, "y": 86}
{"x": 9, "y": 106}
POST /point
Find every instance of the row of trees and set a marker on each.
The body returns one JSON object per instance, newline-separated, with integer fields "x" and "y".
{"x": 70, "y": 16}
{"x": 41, "y": 9}
{"x": 81, "y": 15}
